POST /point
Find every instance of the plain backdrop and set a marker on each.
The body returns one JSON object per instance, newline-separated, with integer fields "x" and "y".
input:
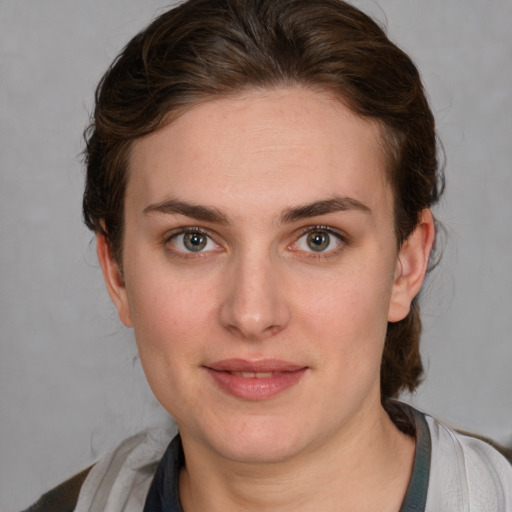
{"x": 71, "y": 386}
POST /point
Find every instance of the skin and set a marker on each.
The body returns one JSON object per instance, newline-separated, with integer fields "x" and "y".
{"x": 259, "y": 290}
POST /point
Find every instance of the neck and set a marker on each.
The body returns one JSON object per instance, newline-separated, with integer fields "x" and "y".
{"x": 356, "y": 470}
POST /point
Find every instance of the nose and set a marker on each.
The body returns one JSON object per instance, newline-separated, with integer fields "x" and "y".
{"x": 254, "y": 305}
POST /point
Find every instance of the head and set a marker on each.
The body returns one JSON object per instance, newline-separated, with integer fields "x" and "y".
{"x": 212, "y": 49}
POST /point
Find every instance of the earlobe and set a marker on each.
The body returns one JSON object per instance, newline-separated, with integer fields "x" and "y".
{"x": 113, "y": 279}
{"x": 411, "y": 266}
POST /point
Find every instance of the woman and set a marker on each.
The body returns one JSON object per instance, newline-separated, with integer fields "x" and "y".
{"x": 260, "y": 176}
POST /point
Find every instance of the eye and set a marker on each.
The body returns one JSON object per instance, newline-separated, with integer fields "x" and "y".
{"x": 192, "y": 242}
{"x": 319, "y": 240}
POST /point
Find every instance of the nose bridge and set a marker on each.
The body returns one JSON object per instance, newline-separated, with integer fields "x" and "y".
{"x": 254, "y": 305}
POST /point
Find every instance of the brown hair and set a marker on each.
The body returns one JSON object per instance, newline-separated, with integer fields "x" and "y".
{"x": 209, "y": 48}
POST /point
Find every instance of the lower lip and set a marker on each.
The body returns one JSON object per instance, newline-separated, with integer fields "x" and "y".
{"x": 254, "y": 388}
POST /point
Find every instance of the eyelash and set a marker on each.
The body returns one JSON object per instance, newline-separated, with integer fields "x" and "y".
{"x": 340, "y": 238}
{"x": 179, "y": 253}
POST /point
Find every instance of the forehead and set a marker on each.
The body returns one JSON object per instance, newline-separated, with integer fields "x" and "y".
{"x": 273, "y": 147}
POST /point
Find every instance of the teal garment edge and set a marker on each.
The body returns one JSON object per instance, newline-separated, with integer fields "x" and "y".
{"x": 415, "y": 498}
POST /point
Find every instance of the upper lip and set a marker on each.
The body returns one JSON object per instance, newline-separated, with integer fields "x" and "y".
{"x": 261, "y": 366}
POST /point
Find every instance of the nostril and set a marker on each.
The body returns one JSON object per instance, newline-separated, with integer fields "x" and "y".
{"x": 256, "y": 324}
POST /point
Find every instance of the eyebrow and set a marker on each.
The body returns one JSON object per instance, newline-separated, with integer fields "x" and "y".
{"x": 293, "y": 214}
{"x": 336, "y": 204}
{"x": 172, "y": 206}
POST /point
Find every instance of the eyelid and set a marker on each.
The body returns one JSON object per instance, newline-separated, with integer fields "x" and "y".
{"x": 339, "y": 235}
{"x": 322, "y": 227}
{"x": 184, "y": 230}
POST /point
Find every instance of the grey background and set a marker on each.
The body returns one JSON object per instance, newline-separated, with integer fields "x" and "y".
{"x": 70, "y": 383}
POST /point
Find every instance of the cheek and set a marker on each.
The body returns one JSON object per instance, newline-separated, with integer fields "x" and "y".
{"x": 172, "y": 323}
{"x": 170, "y": 315}
{"x": 347, "y": 313}
{"x": 354, "y": 298}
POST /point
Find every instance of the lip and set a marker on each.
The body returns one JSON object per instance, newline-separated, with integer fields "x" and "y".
{"x": 255, "y": 380}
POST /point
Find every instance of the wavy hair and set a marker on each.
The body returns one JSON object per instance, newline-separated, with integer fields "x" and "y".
{"x": 206, "y": 49}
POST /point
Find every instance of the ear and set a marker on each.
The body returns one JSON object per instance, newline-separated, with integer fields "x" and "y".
{"x": 411, "y": 267}
{"x": 113, "y": 279}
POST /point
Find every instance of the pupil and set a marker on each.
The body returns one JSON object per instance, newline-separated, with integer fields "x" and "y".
{"x": 194, "y": 241}
{"x": 318, "y": 241}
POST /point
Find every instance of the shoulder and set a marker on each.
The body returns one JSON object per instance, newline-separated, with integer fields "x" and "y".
{"x": 118, "y": 481}
{"x": 62, "y": 498}
{"x": 467, "y": 473}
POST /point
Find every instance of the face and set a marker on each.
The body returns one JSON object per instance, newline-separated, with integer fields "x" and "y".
{"x": 261, "y": 269}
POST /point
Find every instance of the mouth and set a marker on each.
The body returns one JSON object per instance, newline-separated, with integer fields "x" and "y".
{"x": 255, "y": 380}
{"x": 254, "y": 375}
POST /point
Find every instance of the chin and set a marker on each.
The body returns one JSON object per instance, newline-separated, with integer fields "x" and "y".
{"x": 262, "y": 440}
